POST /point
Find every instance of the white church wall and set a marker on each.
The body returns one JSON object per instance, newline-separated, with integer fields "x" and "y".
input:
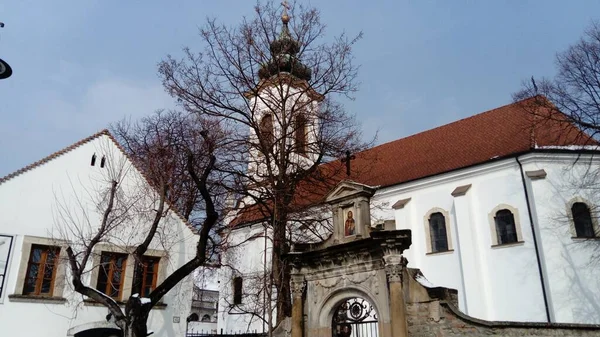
{"x": 572, "y": 269}
{"x": 30, "y": 205}
{"x": 498, "y": 282}
{"x": 507, "y": 284}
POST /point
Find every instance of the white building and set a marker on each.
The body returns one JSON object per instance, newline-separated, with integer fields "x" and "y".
{"x": 54, "y": 201}
{"x": 503, "y": 210}
{"x": 501, "y": 207}
{"x": 203, "y": 317}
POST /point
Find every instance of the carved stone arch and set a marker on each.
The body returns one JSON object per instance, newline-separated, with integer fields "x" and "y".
{"x": 339, "y": 295}
{"x": 593, "y": 213}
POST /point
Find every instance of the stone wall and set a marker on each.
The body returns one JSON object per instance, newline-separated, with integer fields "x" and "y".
{"x": 433, "y": 312}
{"x": 440, "y": 319}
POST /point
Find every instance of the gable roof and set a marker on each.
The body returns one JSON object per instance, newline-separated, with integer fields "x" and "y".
{"x": 84, "y": 141}
{"x": 499, "y": 133}
{"x": 57, "y": 154}
{"x": 502, "y": 132}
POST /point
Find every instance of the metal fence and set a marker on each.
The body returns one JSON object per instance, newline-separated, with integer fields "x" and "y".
{"x": 225, "y": 334}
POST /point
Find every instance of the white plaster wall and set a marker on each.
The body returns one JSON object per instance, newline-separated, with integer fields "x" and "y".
{"x": 29, "y": 205}
{"x": 494, "y": 283}
{"x": 503, "y": 283}
{"x": 244, "y": 257}
{"x": 572, "y": 266}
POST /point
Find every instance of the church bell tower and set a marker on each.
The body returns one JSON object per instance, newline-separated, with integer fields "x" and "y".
{"x": 285, "y": 109}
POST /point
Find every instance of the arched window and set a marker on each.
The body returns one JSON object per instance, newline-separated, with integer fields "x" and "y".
{"x": 505, "y": 227}
{"x": 582, "y": 219}
{"x": 437, "y": 232}
{"x": 300, "y": 134}
{"x": 266, "y": 131}
{"x": 206, "y": 318}
{"x": 193, "y": 317}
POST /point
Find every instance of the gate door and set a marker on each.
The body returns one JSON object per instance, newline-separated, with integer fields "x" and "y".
{"x": 355, "y": 317}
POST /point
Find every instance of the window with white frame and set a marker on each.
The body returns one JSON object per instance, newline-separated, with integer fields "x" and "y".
{"x": 113, "y": 274}
{"x": 437, "y": 231}
{"x": 41, "y": 272}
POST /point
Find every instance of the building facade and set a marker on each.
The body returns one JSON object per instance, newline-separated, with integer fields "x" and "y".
{"x": 508, "y": 220}
{"x": 57, "y": 203}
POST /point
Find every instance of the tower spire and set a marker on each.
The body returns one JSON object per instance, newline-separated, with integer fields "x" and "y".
{"x": 284, "y": 52}
{"x": 285, "y": 18}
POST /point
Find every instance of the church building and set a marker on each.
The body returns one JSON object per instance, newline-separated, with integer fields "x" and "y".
{"x": 501, "y": 207}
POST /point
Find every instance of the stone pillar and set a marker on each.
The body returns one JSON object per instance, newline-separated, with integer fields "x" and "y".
{"x": 394, "y": 265}
{"x": 297, "y": 308}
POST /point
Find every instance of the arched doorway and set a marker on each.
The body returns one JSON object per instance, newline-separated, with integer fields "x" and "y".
{"x": 355, "y": 317}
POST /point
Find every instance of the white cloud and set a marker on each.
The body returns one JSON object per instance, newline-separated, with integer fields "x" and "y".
{"x": 52, "y": 119}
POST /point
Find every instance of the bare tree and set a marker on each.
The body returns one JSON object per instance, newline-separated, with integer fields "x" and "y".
{"x": 572, "y": 97}
{"x": 273, "y": 82}
{"x": 135, "y": 210}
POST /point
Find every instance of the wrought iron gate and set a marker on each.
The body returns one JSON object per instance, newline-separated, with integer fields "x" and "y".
{"x": 355, "y": 317}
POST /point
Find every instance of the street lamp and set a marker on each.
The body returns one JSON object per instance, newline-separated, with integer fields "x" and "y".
{"x": 5, "y": 69}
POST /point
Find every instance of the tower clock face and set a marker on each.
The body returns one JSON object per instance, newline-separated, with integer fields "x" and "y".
{"x": 5, "y": 70}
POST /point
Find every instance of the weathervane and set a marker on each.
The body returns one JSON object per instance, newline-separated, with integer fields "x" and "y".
{"x": 5, "y": 69}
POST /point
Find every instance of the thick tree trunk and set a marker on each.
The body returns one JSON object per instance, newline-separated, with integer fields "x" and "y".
{"x": 137, "y": 314}
{"x": 281, "y": 269}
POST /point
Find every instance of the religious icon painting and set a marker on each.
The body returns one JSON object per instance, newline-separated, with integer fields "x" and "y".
{"x": 349, "y": 222}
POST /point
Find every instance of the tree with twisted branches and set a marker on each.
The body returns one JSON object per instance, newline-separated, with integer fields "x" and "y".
{"x": 273, "y": 82}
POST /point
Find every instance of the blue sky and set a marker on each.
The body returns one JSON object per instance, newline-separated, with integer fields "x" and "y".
{"x": 80, "y": 65}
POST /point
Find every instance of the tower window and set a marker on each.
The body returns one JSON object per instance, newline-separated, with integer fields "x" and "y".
{"x": 505, "y": 227}
{"x": 266, "y": 131}
{"x": 300, "y": 134}
{"x": 582, "y": 218}
{"x": 437, "y": 232}
{"x": 93, "y": 162}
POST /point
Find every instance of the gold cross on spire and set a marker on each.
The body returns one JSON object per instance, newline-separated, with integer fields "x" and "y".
{"x": 284, "y": 16}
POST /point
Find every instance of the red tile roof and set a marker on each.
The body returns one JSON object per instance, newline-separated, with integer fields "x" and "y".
{"x": 497, "y": 133}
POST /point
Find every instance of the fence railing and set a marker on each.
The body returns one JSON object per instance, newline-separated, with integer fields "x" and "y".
{"x": 222, "y": 333}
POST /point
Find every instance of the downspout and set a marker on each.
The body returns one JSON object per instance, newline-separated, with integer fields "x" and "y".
{"x": 535, "y": 243}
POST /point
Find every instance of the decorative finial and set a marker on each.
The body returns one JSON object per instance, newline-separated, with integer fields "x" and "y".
{"x": 285, "y": 18}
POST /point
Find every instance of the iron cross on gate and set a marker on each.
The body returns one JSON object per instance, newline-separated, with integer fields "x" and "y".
{"x": 347, "y": 160}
